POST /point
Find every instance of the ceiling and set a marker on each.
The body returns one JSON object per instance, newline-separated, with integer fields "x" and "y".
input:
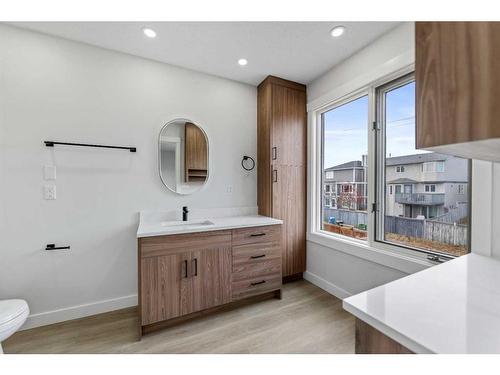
{"x": 298, "y": 51}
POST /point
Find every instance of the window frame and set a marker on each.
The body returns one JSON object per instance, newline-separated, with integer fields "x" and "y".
{"x": 404, "y": 259}
{"x": 319, "y": 165}
{"x": 380, "y": 137}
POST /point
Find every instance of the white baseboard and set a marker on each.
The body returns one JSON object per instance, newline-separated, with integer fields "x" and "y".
{"x": 80, "y": 311}
{"x": 326, "y": 285}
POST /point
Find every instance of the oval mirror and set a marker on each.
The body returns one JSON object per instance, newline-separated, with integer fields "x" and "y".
{"x": 183, "y": 156}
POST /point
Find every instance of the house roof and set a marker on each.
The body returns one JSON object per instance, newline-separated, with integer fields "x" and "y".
{"x": 348, "y": 165}
{"x": 402, "y": 181}
{"x": 416, "y": 158}
{"x": 397, "y": 160}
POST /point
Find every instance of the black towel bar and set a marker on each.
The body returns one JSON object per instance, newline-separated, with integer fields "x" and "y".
{"x": 52, "y": 143}
{"x": 52, "y": 246}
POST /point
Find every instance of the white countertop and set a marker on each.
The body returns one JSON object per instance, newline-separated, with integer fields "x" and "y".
{"x": 159, "y": 227}
{"x": 453, "y": 307}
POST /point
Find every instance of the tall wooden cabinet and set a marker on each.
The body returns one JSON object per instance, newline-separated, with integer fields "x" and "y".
{"x": 458, "y": 88}
{"x": 281, "y": 155}
{"x": 196, "y": 154}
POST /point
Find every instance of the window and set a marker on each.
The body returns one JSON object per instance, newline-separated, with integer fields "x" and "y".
{"x": 418, "y": 199}
{"x": 420, "y": 218}
{"x": 327, "y": 188}
{"x": 435, "y": 166}
{"x": 344, "y": 145}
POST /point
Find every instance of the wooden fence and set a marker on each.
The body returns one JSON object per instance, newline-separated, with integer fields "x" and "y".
{"x": 454, "y": 214}
{"x": 404, "y": 226}
{"x": 448, "y": 233}
{"x": 353, "y": 218}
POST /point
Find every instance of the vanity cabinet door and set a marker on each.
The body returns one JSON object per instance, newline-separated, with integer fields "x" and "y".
{"x": 164, "y": 285}
{"x": 210, "y": 277}
{"x": 173, "y": 283}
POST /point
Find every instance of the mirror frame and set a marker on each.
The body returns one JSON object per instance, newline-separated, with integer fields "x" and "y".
{"x": 184, "y": 119}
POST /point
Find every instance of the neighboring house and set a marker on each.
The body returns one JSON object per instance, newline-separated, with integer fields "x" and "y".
{"x": 426, "y": 185}
{"x": 345, "y": 186}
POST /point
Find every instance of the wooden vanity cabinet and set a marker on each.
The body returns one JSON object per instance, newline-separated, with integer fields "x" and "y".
{"x": 182, "y": 274}
{"x": 185, "y": 274}
{"x": 369, "y": 340}
{"x": 281, "y": 164}
{"x": 458, "y": 88}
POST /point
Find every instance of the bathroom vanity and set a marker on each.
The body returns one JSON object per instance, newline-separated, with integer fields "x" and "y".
{"x": 189, "y": 268}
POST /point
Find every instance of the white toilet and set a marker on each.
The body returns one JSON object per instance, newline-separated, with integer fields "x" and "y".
{"x": 13, "y": 314}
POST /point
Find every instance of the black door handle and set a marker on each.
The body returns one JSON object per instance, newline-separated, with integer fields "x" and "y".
{"x": 195, "y": 260}
{"x": 186, "y": 269}
{"x": 257, "y": 256}
{"x": 258, "y": 283}
{"x": 257, "y": 234}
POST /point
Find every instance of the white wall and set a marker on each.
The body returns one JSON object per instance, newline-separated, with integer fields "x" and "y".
{"x": 54, "y": 89}
{"x": 343, "y": 273}
{"x": 392, "y": 50}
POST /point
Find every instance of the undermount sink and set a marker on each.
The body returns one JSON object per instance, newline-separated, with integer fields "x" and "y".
{"x": 186, "y": 224}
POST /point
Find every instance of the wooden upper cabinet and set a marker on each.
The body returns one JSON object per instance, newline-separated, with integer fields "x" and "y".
{"x": 281, "y": 154}
{"x": 196, "y": 153}
{"x": 458, "y": 88}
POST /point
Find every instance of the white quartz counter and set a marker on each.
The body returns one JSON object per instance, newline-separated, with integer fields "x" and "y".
{"x": 157, "y": 225}
{"x": 453, "y": 307}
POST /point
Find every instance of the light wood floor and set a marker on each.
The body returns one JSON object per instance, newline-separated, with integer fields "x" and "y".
{"x": 306, "y": 320}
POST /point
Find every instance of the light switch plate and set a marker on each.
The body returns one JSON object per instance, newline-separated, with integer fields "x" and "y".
{"x": 49, "y": 172}
{"x": 49, "y": 192}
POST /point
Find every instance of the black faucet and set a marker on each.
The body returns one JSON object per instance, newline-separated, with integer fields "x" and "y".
{"x": 185, "y": 213}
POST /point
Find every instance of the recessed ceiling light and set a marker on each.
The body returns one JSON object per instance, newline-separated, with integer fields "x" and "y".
{"x": 337, "y": 31}
{"x": 150, "y": 33}
{"x": 242, "y": 62}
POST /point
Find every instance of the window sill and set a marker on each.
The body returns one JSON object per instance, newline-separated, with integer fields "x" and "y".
{"x": 387, "y": 257}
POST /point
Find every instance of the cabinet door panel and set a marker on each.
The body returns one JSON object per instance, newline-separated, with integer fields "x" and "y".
{"x": 288, "y": 126}
{"x": 211, "y": 277}
{"x": 289, "y": 204}
{"x": 457, "y": 82}
{"x": 171, "y": 280}
{"x": 196, "y": 148}
{"x": 149, "y": 290}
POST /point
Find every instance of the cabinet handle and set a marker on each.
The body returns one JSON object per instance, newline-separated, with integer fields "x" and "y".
{"x": 257, "y": 256}
{"x": 258, "y": 283}
{"x": 275, "y": 175}
{"x": 275, "y": 153}
{"x": 257, "y": 234}
{"x": 195, "y": 260}
{"x": 185, "y": 269}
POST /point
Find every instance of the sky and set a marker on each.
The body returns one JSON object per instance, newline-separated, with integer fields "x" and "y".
{"x": 346, "y": 127}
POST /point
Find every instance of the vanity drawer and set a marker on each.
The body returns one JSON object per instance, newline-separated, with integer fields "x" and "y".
{"x": 178, "y": 243}
{"x": 267, "y": 233}
{"x": 255, "y": 252}
{"x": 255, "y": 269}
{"x": 255, "y": 285}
